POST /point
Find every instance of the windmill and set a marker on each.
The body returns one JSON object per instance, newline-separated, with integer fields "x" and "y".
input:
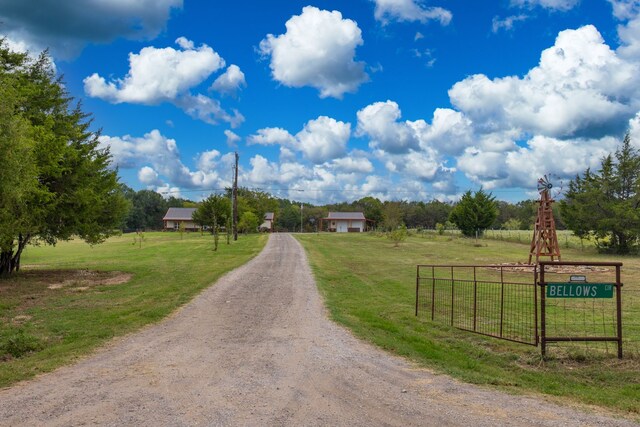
{"x": 545, "y": 240}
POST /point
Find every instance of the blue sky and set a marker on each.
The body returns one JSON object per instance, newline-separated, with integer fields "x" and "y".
{"x": 336, "y": 100}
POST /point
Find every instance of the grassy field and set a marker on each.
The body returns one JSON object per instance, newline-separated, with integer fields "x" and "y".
{"x": 566, "y": 239}
{"x": 369, "y": 286}
{"x": 50, "y": 317}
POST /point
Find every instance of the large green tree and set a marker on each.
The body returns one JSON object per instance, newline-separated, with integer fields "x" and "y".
{"x": 248, "y": 223}
{"x": 64, "y": 184}
{"x": 371, "y": 207}
{"x": 214, "y": 212}
{"x": 605, "y": 204}
{"x": 147, "y": 210}
{"x": 474, "y": 213}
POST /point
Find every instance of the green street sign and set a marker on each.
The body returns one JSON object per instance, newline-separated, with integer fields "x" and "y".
{"x": 580, "y": 290}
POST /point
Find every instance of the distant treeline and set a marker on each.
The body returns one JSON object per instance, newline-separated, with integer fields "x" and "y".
{"x": 147, "y": 208}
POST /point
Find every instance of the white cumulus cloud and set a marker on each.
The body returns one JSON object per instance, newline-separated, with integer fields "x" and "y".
{"x": 232, "y": 138}
{"x": 317, "y": 50}
{"x": 158, "y": 75}
{"x": 271, "y": 136}
{"x": 380, "y": 122}
{"x": 562, "y": 5}
{"x": 158, "y": 161}
{"x": 353, "y": 163}
{"x": 148, "y": 176}
{"x": 579, "y": 88}
{"x": 507, "y": 23}
{"x": 323, "y": 139}
{"x": 230, "y": 82}
{"x": 409, "y": 10}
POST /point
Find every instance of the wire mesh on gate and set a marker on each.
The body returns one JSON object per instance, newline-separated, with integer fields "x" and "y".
{"x": 494, "y": 300}
{"x": 581, "y": 306}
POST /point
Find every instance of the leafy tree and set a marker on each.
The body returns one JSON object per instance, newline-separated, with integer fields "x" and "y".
{"x": 248, "y": 223}
{"x": 147, "y": 210}
{"x": 288, "y": 217}
{"x": 179, "y": 202}
{"x": 312, "y": 216}
{"x": 17, "y": 173}
{"x": 474, "y": 213}
{"x": 371, "y": 207}
{"x": 258, "y": 202}
{"x": 213, "y": 212}
{"x": 66, "y": 186}
{"x": 605, "y": 205}
{"x": 436, "y": 212}
{"x": 512, "y": 224}
{"x": 392, "y": 213}
{"x": 398, "y": 235}
{"x": 526, "y": 212}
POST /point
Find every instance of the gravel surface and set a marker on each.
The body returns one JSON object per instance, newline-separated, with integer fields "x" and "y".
{"x": 257, "y": 349}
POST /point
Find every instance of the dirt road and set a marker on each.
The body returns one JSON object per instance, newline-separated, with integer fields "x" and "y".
{"x": 257, "y": 349}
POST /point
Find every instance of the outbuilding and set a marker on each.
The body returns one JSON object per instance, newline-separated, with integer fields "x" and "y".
{"x": 176, "y": 216}
{"x": 268, "y": 223}
{"x": 345, "y": 222}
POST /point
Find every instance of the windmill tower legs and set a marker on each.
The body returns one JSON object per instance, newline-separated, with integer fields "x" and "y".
{"x": 544, "y": 241}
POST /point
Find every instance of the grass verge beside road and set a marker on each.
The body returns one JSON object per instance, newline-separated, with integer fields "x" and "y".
{"x": 369, "y": 286}
{"x": 49, "y": 317}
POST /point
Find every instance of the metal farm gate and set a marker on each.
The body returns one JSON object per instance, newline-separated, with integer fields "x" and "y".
{"x": 491, "y": 300}
{"x": 577, "y": 302}
{"x": 582, "y": 304}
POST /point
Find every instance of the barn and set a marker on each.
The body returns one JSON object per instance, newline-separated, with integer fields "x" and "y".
{"x": 345, "y": 222}
{"x": 176, "y": 216}
{"x": 268, "y": 224}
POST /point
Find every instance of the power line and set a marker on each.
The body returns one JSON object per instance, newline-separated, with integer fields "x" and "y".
{"x": 328, "y": 190}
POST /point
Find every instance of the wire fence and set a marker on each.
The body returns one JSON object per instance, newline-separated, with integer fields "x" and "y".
{"x": 503, "y": 301}
{"x": 580, "y": 308}
{"x": 487, "y": 300}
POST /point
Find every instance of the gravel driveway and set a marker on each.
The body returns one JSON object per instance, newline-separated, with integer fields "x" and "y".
{"x": 257, "y": 349}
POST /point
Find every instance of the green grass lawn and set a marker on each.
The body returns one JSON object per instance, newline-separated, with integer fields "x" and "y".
{"x": 369, "y": 286}
{"x": 566, "y": 239}
{"x": 48, "y": 317}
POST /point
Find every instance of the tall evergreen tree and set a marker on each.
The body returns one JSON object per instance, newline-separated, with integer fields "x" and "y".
{"x": 66, "y": 187}
{"x": 605, "y": 205}
{"x": 474, "y": 213}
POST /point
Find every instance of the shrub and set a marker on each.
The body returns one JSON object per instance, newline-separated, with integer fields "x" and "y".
{"x": 19, "y": 344}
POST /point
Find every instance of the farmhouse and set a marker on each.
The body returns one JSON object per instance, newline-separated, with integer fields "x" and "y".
{"x": 343, "y": 222}
{"x": 267, "y": 225}
{"x": 176, "y": 216}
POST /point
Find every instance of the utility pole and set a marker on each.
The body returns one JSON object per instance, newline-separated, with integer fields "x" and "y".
{"x": 235, "y": 200}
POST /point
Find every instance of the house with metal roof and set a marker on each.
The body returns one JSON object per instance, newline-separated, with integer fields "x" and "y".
{"x": 176, "y": 216}
{"x": 345, "y": 222}
{"x": 269, "y": 221}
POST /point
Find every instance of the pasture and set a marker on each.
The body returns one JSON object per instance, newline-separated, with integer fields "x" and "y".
{"x": 369, "y": 286}
{"x": 71, "y": 298}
